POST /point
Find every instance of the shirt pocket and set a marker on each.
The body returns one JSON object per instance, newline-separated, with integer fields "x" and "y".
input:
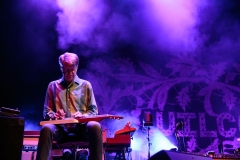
{"x": 80, "y": 99}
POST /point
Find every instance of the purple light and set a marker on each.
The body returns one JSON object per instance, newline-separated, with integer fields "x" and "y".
{"x": 78, "y": 20}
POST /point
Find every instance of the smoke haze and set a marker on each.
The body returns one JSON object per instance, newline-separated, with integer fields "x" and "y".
{"x": 167, "y": 25}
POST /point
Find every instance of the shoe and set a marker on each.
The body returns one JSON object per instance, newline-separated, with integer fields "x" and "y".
{"x": 67, "y": 156}
{"x": 82, "y": 154}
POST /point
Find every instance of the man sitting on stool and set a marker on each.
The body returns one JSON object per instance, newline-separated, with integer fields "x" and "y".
{"x": 70, "y": 96}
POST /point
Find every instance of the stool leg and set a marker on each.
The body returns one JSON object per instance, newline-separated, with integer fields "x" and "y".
{"x": 123, "y": 154}
{"x": 75, "y": 153}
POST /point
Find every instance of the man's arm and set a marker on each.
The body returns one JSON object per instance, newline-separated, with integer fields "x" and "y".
{"x": 48, "y": 112}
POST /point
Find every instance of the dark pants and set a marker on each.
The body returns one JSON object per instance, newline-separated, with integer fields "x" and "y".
{"x": 91, "y": 132}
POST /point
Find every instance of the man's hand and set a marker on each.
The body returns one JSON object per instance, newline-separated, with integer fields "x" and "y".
{"x": 78, "y": 115}
{"x": 60, "y": 114}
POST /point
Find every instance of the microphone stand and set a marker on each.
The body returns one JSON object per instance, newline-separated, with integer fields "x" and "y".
{"x": 178, "y": 140}
{"x": 183, "y": 130}
{"x": 147, "y": 122}
{"x": 179, "y": 124}
{"x": 149, "y": 144}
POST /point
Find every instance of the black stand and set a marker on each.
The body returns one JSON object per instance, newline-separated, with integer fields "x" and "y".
{"x": 180, "y": 147}
{"x": 183, "y": 131}
{"x": 146, "y": 123}
{"x": 149, "y": 144}
{"x": 178, "y": 142}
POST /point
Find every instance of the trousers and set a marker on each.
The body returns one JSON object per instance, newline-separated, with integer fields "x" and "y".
{"x": 90, "y": 132}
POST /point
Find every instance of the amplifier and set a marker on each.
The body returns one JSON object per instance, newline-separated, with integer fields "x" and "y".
{"x": 30, "y": 143}
{"x": 174, "y": 155}
{"x": 30, "y": 140}
{"x": 11, "y": 138}
{"x": 29, "y": 148}
{"x": 29, "y": 155}
{"x": 226, "y": 156}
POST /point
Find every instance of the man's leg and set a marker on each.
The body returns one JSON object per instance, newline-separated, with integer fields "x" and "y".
{"x": 48, "y": 133}
{"x": 94, "y": 133}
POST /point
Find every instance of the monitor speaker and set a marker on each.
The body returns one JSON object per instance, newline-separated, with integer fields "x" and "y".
{"x": 11, "y": 139}
{"x": 174, "y": 155}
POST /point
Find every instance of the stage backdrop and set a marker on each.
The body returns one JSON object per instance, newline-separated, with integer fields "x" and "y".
{"x": 204, "y": 97}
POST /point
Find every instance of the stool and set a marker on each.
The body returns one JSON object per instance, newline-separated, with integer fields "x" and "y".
{"x": 71, "y": 143}
{"x": 74, "y": 146}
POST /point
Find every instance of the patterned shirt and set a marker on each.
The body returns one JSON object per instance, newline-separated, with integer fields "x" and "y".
{"x": 78, "y": 96}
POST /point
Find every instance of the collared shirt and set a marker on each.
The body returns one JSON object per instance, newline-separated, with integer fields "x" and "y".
{"x": 76, "y": 97}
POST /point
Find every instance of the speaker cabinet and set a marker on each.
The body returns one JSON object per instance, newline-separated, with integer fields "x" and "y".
{"x": 30, "y": 155}
{"x": 173, "y": 155}
{"x": 11, "y": 137}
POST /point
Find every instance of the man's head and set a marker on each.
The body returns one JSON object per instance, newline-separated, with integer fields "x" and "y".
{"x": 68, "y": 64}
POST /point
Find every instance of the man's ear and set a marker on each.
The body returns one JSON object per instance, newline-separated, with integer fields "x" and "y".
{"x": 76, "y": 68}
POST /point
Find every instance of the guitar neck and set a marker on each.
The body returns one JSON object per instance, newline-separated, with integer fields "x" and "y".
{"x": 97, "y": 118}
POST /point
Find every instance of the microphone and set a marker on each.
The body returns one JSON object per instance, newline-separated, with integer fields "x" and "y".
{"x": 179, "y": 124}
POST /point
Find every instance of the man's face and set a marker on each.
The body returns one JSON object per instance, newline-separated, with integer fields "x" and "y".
{"x": 69, "y": 72}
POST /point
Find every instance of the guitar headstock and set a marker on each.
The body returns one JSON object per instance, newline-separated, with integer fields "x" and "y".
{"x": 115, "y": 117}
{"x": 127, "y": 125}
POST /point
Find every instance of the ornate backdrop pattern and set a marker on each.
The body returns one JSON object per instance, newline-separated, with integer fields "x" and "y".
{"x": 206, "y": 99}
